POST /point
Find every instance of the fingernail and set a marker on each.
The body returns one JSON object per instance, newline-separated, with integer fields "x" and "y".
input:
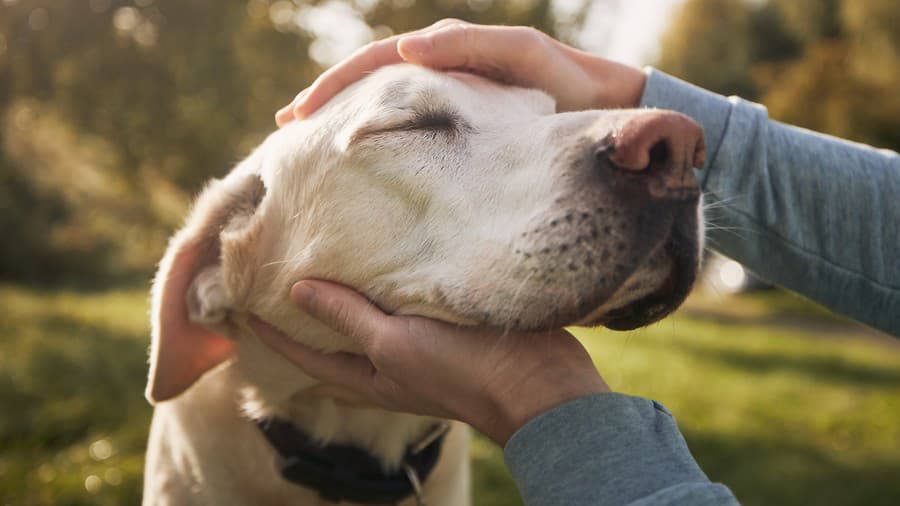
{"x": 298, "y": 100}
{"x": 418, "y": 45}
{"x": 302, "y": 293}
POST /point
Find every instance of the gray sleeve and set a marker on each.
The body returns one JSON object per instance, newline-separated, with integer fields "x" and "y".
{"x": 813, "y": 213}
{"x": 608, "y": 449}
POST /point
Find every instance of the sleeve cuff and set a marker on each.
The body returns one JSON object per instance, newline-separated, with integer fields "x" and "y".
{"x": 600, "y": 449}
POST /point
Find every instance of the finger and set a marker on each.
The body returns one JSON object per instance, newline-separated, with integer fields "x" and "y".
{"x": 345, "y": 369}
{"x": 286, "y": 113}
{"x": 335, "y": 79}
{"x": 344, "y": 310}
{"x": 363, "y": 61}
{"x": 473, "y": 47}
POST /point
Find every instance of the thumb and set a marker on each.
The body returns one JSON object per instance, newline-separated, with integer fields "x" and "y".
{"x": 344, "y": 310}
{"x": 341, "y": 368}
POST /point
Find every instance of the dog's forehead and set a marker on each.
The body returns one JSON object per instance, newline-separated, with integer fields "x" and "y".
{"x": 398, "y": 86}
{"x": 304, "y": 148}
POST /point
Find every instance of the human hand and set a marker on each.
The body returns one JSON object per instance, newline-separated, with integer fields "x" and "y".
{"x": 515, "y": 55}
{"x": 495, "y": 381}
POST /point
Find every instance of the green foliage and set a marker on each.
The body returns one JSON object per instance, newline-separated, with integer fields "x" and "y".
{"x": 72, "y": 368}
{"x": 721, "y": 60}
{"x": 113, "y": 112}
{"x": 783, "y": 406}
{"x": 828, "y": 65}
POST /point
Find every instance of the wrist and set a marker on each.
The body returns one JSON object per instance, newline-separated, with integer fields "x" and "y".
{"x": 618, "y": 85}
{"x": 536, "y": 394}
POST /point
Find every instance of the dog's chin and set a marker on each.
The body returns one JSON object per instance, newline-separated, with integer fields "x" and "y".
{"x": 643, "y": 311}
{"x": 681, "y": 251}
{"x": 649, "y": 308}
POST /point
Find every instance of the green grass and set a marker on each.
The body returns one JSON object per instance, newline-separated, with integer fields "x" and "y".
{"x": 783, "y": 403}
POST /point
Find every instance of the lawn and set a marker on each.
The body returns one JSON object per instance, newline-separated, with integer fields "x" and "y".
{"x": 780, "y": 401}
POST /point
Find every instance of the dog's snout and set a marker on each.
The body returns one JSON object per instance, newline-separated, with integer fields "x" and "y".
{"x": 659, "y": 148}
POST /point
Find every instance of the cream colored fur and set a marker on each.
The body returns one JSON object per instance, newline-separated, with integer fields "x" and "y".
{"x": 433, "y": 219}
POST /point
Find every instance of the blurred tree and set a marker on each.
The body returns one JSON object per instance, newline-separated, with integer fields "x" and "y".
{"x": 828, "y": 65}
{"x": 709, "y": 43}
{"x": 112, "y": 112}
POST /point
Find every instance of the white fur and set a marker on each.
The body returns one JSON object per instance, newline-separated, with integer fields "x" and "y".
{"x": 434, "y": 222}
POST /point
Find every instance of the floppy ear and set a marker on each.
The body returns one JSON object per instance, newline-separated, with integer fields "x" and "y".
{"x": 189, "y": 295}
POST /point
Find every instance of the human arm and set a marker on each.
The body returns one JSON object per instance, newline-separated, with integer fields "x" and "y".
{"x": 608, "y": 449}
{"x": 568, "y": 440}
{"x": 807, "y": 211}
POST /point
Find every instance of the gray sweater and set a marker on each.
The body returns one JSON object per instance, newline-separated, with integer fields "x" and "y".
{"x": 817, "y": 215}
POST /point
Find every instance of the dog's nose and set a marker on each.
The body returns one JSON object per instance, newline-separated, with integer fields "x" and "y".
{"x": 659, "y": 148}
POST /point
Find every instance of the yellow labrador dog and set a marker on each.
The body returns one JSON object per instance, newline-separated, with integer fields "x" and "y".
{"x": 443, "y": 195}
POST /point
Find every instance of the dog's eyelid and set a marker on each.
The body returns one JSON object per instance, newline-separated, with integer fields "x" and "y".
{"x": 437, "y": 119}
{"x": 412, "y": 119}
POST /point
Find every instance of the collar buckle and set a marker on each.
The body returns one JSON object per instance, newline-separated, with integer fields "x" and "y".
{"x": 437, "y": 432}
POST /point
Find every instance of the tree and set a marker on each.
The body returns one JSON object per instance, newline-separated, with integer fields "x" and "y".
{"x": 828, "y": 65}
{"x": 113, "y": 112}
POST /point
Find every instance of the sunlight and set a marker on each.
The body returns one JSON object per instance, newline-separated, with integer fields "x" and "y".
{"x": 627, "y": 31}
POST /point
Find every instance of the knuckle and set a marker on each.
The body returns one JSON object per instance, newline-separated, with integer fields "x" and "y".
{"x": 532, "y": 43}
{"x": 529, "y": 37}
{"x": 378, "y": 342}
{"x": 346, "y": 321}
{"x": 448, "y": 22}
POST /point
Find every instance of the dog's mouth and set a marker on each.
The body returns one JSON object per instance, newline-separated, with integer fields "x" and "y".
{"x": 677, "y": 263}
{"x": 682, "y": 253}
{"x": 658, "y": 304}
{"x": 621, "y": 270}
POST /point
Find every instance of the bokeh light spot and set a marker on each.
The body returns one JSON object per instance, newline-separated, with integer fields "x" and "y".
{"x": 101, "y": 449}
{"x": 113, "y": 476}
{"x": 93, "y": 483}
{"x": 39, "y": 19}
{"x": 126, "y": 19}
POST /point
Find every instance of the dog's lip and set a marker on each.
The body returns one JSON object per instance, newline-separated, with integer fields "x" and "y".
{"x": 663, "y": 300}
{"x": 645, "y": 310}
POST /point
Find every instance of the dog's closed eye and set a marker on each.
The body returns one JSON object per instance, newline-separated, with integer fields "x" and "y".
{"x": 445, "y": 121}
{"x": 434, "y": 120}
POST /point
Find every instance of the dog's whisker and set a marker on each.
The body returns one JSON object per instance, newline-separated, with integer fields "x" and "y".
{"x": 719, "y": 203}
{"x": 740, "y": 232}
{"x": 515, "y": 298}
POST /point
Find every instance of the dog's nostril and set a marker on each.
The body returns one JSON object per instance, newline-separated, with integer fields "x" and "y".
{"x": 659, "y": 155}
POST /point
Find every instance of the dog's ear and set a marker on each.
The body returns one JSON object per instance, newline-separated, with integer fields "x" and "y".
{"x": 189, "y": 295}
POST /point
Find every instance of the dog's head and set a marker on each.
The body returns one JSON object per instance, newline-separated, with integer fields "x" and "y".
{"x": 443, "y": 195}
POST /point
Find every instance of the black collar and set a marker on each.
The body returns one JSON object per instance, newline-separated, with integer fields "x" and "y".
{"x": 349, "y": 473}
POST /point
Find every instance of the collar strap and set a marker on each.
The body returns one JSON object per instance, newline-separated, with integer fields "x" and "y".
{"x": 349, "y": 473}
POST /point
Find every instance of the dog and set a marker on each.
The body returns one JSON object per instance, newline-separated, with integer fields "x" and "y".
{"x": 444, "y": 195}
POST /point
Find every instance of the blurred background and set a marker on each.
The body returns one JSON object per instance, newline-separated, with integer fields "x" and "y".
{"x": 114, "y": 112}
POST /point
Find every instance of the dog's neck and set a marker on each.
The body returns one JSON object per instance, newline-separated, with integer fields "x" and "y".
{"x": 329, "y": 413}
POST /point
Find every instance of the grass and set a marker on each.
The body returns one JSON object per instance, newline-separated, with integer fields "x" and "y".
{"x": 783, "y": 403}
